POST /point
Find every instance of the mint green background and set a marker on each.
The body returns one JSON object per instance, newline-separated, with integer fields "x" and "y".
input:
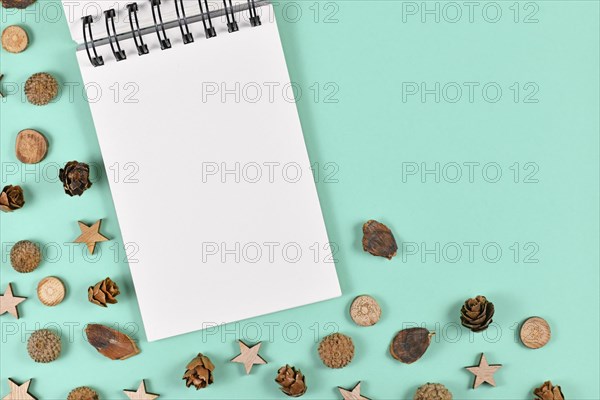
{"x": 368, "y": 135}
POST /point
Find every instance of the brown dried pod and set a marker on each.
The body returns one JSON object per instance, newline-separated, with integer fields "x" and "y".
{"x": 25, "y": 256}
{"x": 476, "y": 314}
{"x": 410, "y": 344}
{"x": 432, "y": 391}
{"x": 548, "y": 392}
{"x": 44, "y": 346}
{"x": 292, "y": 381}
{"x": 75, "y": 177}
{"x": 41, "y": 88}
{"x": 336, "y": 350}
{"x": 103, "y": 292}
{"x": 83, "y": 393}
{"x": 379, "y": 240}
{"x": 11, "y": 198}
{"x": 16, "y": 3}
{"x": 199, "y": 372}
{"x": 110, "y": 342}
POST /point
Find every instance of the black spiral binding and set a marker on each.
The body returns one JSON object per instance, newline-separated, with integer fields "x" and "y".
{"x": 208, "y": 30}
{"x": 232, "y": 25}
{"x": 183, "y": 25}
{"x": 112, "y": 39}
{"x": 141, "y": 47}
{"x": 165, "y": 43}
{"x": 254, "y": 18}
{"x": 96, "y": 60}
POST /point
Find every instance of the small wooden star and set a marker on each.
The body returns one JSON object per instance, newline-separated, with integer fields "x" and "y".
{"x": 249, "y": 356}
{"x": 484, "y": 372}
{"x": 9, "y": 303}
{"x": 18, "y": 392}
{"x": 140, "y": 393}
{"x": 90, "y": 235}
{"x": 353, "y": 394}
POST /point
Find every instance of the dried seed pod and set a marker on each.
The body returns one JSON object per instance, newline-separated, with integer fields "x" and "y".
{"x": 549, "y": 392}
{"x": 432, "y": 391}
{"x": 379, "y": 240}
{"x": 111, "y": 343}
{"x": 410, "y": 344}
{"x": 25, "y": 256}
{"x": 41, "y": 88}
{"x": 365, "y": 311}
{"x": 199, "y": 372}
{"x": 83, "y": 393}
{"x": 16, "y": 3}
{"x": 14, "y": 39}
{"x": 336, "y": 350}
{"x": 11, "y": 198}
{"x": 44, "y": 346}
{"x": 291, "y": 381}
{"x": 31, "y": 146}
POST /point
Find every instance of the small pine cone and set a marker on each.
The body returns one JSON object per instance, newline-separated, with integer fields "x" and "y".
{"x": 378, "y": 240}
{"x": 25, "y": 256}
{"x": 44, "y": 346}
{"x": 11, "y": 198}
{"x": 477, "y": 313}
{"x": 103, "y": 292}
{"x": 83, "y": 393}
{"x": 75, "y": 177}
{"x": 432, "y": 391}
{"x": 292, "y": 381}
{"x": 548, "y": 392}
{"x": 336, "y": 350}
{"x": 199, "y": 372}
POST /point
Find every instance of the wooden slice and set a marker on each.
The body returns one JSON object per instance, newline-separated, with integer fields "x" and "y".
{"x": 535, "y": 333}
{"x": 51, "y": 291}
{"x": 31, "y": 146}
{"x": 14, "y": 39}
{"x": 365, "y": 311}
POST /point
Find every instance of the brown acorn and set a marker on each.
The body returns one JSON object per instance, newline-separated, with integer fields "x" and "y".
{"x": 410, "y": 344}
{"x": 378, "y": 240}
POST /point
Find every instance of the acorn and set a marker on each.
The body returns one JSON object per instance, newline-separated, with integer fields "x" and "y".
{"x": 44, "y": 346}
{"x": 25, "y": 256}
{"x": 410, "y": 344}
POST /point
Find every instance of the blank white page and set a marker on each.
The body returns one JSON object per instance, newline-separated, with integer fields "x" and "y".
{"x": 228, "y": 246}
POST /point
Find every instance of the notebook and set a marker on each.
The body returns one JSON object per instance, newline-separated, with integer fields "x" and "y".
{"x": 217, "y": 206}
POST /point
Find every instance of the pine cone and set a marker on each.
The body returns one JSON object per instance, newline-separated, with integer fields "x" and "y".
{"x": 103, "y": 292}
{"x": 336, "y": 350}
{"x": 477, "y": 313}
{"x": 83, "y": 393}
{"x": 44, "y": 346}
{"x": 291, "y": 381}
{"x": 548, "y": 392}
{"x": 11, "y": 198}
{"x": 199, "y": 372}
{"x": 432, "y": 391}
{"x": 378, "y": 240}
{"x": 75, "y": 178}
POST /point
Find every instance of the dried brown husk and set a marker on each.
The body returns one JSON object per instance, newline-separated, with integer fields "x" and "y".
{"x": 110, "y": 342}
{"x": 378, "y": 240}
{"x": 410, "y": 344}
{"x": 16, "y": 3}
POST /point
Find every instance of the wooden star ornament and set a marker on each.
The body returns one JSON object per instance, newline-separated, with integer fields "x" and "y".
{"x": 18, "y": 392}
{"x": 140, "y": 393}
{"x": 249, "y": 356}
{"x": 484, "y": 372}
{"x": 90, "y": 235}
{"x": 353, "y": 394}
{"x": 9, "y": 302}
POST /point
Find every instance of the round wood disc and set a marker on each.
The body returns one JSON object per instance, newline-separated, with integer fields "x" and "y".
{"x": 14, "y": 39}
{"x": 51, "y": 291}
{"x": 535, "y": 333}
{"x": 365, "y": 311}
{"x": 31, "y": 146}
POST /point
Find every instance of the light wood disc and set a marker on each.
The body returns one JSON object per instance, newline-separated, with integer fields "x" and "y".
{"x": 535, "y": 332}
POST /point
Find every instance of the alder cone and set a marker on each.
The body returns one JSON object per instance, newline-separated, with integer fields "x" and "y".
{"x": 199, "y": 372}
{"x": 432, "y": 391}
{"x": 476, "y": 314}
{"x": 410, "y": 344}
{"x": 292, "y": 381}
{"x": 548, "y": 392}
{"x": 11, "y": 198}
{"x": 378, "y": 240}
{"x": 103, "y": 292}
{"x": 75, "y": 177}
